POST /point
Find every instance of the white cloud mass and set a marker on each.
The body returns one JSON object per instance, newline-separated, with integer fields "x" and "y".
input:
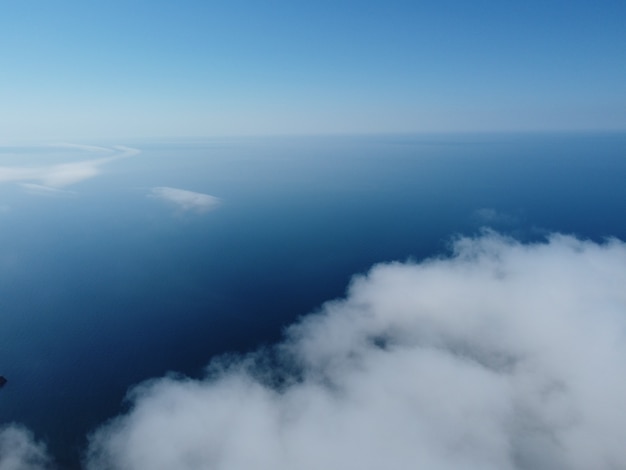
{"x": 185, "y": 200}
{"x": 502, "y": 356}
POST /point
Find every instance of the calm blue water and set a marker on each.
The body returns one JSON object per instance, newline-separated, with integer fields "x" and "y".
{"x": 107, "y": 287}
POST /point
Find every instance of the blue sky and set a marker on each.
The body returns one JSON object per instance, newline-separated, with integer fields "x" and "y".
{"x": 134, "y": 69}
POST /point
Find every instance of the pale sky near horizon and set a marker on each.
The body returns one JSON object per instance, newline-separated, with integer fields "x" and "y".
{"x": 141, "y": 69}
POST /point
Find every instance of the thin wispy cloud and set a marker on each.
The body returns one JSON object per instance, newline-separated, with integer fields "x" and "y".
{"x": 185, "y": 200}
{"x": 42, "y": 190}
{"x": 61, "y": 175}
{"x": 489, "y": 217}
{"x": 83, "y": 147}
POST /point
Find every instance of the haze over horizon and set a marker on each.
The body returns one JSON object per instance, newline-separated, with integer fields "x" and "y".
{"x": 147, "y": 69}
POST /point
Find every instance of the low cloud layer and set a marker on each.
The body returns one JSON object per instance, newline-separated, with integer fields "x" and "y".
{"x": 185, "y": 200}
{"x": 500, "y": 356}
{"x": 61, "y": 175}
{"x": 504, "y": 356}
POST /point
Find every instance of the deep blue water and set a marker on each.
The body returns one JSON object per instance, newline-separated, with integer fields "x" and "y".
{"x": 108, "y": 287}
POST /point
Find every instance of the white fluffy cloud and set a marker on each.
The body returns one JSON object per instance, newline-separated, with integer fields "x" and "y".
{"x": 501, "y": 356}
{"x": 20, "y": 451}
{"x": 185, "y": 200}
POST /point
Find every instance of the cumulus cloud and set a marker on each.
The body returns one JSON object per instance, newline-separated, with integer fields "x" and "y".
{"x": 60, "y": 175}
{"x": 20, "y": 451}
{"x": 499, "y": 356}
{"x": 185, "y": 200}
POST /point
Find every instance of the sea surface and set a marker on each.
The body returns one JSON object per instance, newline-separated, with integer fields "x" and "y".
{"x": 103, "y": 285}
